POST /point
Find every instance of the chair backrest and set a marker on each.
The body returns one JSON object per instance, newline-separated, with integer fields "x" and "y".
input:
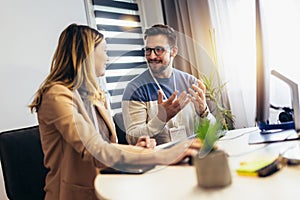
{"x": 120, "y": 128}
{"x": 22, "y": 163}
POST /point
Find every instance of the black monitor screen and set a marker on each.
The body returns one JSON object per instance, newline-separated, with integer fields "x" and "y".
{"x": 262, "y": 73}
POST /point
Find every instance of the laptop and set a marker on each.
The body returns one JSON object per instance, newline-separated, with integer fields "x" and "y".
{"x": 127, "y": 169}
{"x": 172, "y": 143}
{"x": 258, "y": 137}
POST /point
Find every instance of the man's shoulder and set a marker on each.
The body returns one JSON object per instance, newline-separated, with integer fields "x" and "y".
{"x": 139, "y": 88}
{"x": 141, "y": 79}
{"x": 184, "y": 75}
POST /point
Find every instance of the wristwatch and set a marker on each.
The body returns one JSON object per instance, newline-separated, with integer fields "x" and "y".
{"x": 205, "y": 113}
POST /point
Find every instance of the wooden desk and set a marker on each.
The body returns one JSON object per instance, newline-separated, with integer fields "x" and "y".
{"x": 179, "y": 182}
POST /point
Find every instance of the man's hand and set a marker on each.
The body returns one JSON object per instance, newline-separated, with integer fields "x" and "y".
{"x": 198, "y": 97}
{"x": 169, "y": 108}
{"x": 146, "y": 141}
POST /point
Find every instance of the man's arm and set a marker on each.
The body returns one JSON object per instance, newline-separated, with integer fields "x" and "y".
{"x": 138, "y": 122}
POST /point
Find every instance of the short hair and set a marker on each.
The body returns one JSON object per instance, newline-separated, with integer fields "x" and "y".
{"x": 161, "y": 29}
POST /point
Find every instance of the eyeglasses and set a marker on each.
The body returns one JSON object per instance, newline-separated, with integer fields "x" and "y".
{"x": 157, "y": 50}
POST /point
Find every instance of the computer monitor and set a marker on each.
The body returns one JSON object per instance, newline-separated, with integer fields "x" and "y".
{"x": 263, "y": 74}
{"x": 270, "y": 132}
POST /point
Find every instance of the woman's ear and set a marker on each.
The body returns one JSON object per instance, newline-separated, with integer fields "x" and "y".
{"x": 174, "y": 51}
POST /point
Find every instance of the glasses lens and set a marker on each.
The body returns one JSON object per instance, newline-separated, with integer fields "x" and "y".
{"x": 159, "y": 50}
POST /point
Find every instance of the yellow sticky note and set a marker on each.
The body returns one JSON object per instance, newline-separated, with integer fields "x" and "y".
{"x": 251, "y": 168}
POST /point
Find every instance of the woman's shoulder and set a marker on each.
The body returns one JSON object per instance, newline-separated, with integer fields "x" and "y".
{"x": 57, "y": 88}
{"x": 58, "y": 91}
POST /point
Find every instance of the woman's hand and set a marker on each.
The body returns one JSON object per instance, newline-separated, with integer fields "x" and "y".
{"x": 190, "y": 149}
{"x": 146, "y": 141}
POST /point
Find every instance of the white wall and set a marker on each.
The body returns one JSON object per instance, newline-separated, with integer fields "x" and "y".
{"x": 28, "y": 37}
{"x": 29, "y": 34}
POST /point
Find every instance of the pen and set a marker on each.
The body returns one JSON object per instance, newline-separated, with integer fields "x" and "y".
{"x": 270, "y": 169}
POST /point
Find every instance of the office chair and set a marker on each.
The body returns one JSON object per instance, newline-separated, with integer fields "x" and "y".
{"x": 120, "y": 128}
{"x": 22, "y": 164}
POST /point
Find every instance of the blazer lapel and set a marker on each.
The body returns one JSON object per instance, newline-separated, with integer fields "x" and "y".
{"x": 103, "y": 112}
{"x": 107, "y": 119}
{"x": 82, "y": 107}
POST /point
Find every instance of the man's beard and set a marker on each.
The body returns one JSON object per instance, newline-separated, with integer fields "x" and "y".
{"x": 152, "y": 63}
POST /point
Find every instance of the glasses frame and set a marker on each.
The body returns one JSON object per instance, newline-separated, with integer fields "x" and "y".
{"x": 145, "y": 49}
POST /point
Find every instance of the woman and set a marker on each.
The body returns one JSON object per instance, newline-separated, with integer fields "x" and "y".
{"x": 77, "y": 132}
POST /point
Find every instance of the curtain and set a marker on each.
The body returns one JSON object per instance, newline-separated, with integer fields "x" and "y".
{"x": 196, "y": 41}
{"x": 192, "y": 24}
{"x": 216, "y": 39}
{"x": 234, "y": 22}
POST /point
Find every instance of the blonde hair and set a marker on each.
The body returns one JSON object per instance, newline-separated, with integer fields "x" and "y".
{"x": 73, "y": 64}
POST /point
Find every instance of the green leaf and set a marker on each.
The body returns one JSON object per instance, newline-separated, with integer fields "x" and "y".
{"x": 213, "y": 94}
{"x": 202, "y": 129}
{"x": 207, "y": 132}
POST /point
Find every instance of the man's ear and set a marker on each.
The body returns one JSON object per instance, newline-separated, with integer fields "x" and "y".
{"x": 174, "y": 51}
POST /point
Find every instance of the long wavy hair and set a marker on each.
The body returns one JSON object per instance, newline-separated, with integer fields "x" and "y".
{"x": 73, "y": 64}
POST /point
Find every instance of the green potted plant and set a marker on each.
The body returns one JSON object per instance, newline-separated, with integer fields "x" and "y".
{"x": 214, "y": 96}
{"x": 211, "y": 164}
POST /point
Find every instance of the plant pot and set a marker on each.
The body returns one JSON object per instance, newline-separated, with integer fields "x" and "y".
{"x": 212, "y": 170}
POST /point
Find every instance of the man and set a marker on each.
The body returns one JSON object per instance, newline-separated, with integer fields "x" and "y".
{"x": 163, "y": 102}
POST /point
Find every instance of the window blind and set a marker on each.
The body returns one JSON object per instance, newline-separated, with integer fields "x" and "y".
{"x": 121, "y": 25}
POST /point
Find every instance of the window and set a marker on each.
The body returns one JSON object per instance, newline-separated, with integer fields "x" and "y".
{"x": 121, "y": 25}
{"x": 235, "y": 25}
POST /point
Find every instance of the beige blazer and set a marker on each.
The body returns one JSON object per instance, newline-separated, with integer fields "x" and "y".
{"x": 74, "y": 151}
{"x": 62, "y": 117}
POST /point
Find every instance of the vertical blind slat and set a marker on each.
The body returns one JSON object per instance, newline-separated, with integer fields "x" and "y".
{"x": 120, "y": 28}
{"x": 110, "y": 15}
{"x": 116, "y": 4}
